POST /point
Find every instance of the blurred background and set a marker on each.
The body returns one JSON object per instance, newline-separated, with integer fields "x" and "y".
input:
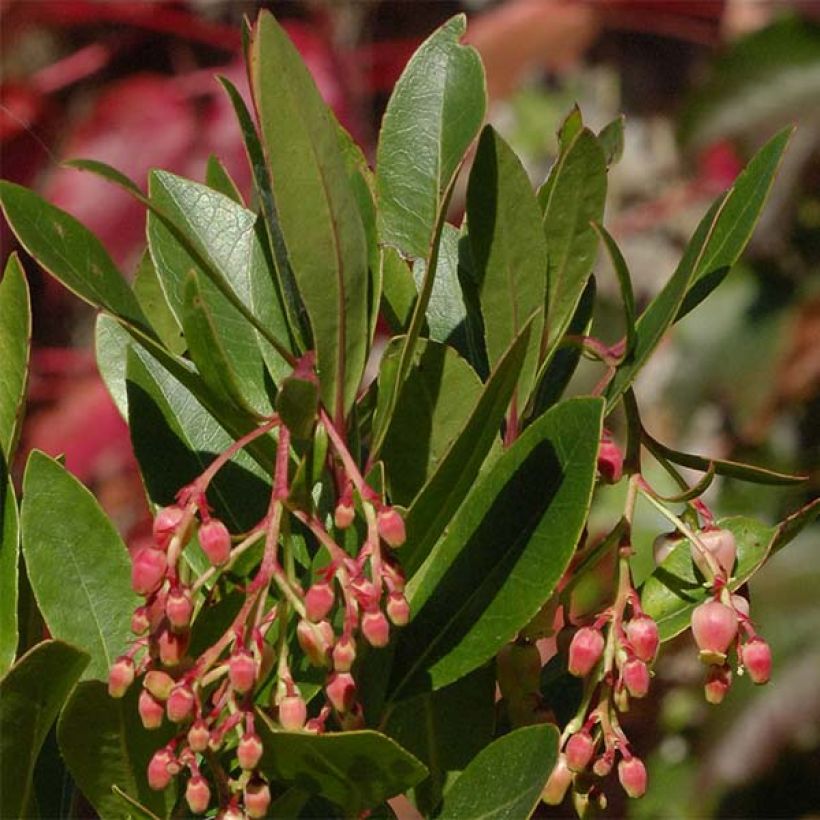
{"x": 702, "y": 83}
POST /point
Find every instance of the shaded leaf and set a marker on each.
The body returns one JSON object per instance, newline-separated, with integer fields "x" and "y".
{"x": 31, "y": 696}
{"x": 619, "y": 265}
{"x": 218, "y": 178}
{"x": 148, "y": 290}
{"x": 399, "y": 292}
{"x": 9, "y": 573}
{"x": 77, "y": 564}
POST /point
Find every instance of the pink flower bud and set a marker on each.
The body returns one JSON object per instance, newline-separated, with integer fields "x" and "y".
{"x": 319, "y": 600}
{"x": 714, "y": 627}
{"x": 391, "y": 527}
{"x": 398, "y": 609}
{"x": 249, "y": 750}
{"x": 635, "y": 676}
{"x": 579, "y": 750}
{"x": 257, "y": 799}
{"x": 172, "y": 646}
{"x": 140, "y": 621}
{"x": 120, "y": 676}
{"x": 610, "y": 462}
{"x": 178, "y": 608}
{"x": 215, "y": 541}
{"x": 147, "y": 570}
{"x": 198, "y": 736}
{"x": 165, "y": 524}
{"x": 344, "y": 654}
{"x": 375, "y": 628}
{"x": 180, "y": 704}
{"x": 721, "y": 544}
{"x": 198, "y": 794}
{"x": 632, "y": 774}
{"x": 558, "y": 783}
{"x": 341, "y": 691}
{"x": 585, "y": 651}
{"x": 603, "y": 765}
{"x": 343, "y": 515}
{"x": 353, "y": 720}
{"x": 231, "y": 812}
{"x": 315, "y": 640}
{"x": 150, "y": 710}
{"x": 159, "y": 774}
{"x": 292, "y": 713}
{"x": 159, "y": 684}
{"x": 242, "y": 671}
{"x": 644, "y": 638}
{"x": 756, "y": 656}
{"x": 741, "y": 605}
{"x": 718, "y": 681}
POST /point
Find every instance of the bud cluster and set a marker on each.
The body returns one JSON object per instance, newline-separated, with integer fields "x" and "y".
{"x": 213, "y": 699}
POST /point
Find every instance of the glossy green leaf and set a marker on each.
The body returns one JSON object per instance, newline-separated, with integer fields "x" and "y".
{"x": 104, "y": 745}
{"x": 444, "y": 491}
{"x": 317, "y": 210}
{"x": 735, "y": 221}
{"x": 611, "y": 137}
{"x": 218, "y": 178}
{"x": 77, "y": 564}
{"x": 175, "y": 438}
{"x": 15, "y": 340}
{"x": 571, "y": 199}
{"x": 445, "y": 730}
{"x": 9, "y": 572}
{"x": 31, "y": 696}
{"x": 354, "y": 770}
{"x": 436, "y": 400}
{"x": 503, "y": 552}
{"x": 505, "y": 780}
{"x": 509, "y": 252}
{"x": 434, "y": 113}
{"x": 676, "y": 587}
{"x": 70, "y": 252}
{"x": 399, "y": 291}
{"x": 148, "y": 290}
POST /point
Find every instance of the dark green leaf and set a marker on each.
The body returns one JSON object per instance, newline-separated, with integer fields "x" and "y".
{"x": 433, "y": 115}
{"x": 15, "y": 339}
{"x": 504, "y": 780}
{"x": 434, "y": 405}
{"x": 31, "y": 696}
{"x": 104, "y": 745}
{"x": 624, "y": 283}
{"x": 509, "y": 252}
{"x": 676, "y": 587}
{"x": 611, "y": 137}
{"x": 317, "y": 210}
{"x": 70, "y": 252}
{"x": 354, "y": 770}
{"x": 9, "y": 573}
{"x": 297, "y": 404}
{"x": 446, "y": 488}
{"x": 504, "y": 550}
{"x": 445, "y": 730}
{"x": 148, "y": 290}
{"x": 77, "y": 564}
{"x": 571, "y": 199}
{"x": 218, "y": 178}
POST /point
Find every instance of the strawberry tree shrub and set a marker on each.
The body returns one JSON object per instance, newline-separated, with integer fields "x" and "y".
{"x": 355, "y": 580}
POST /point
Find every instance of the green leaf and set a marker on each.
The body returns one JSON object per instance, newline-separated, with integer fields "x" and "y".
{"x": 297, "y": 405}
{"x": 77, "y": 564}
{"x": 15, "y": 340}
{"x": 611, "y": 137}
{"x": 504, "y": 550}
{"x": 735, "y": 221}
{"x": 433, "y": 115}
{"x": 317, "y": 210}
{"x": 31, "y": 696}
{"x": 148, "y": 290}
{"x": 572, "y": 198}
{"x": 444, "y": 491}
{"x": 9, "y": 572}
{"x": 111, "y": 344}
{"x": 218, "y": 178}
{"x": 504, "y": 780}
{"x": 354, "y": 770}
{"x": 70, "y": 252}
{"x": 175, "y": 438}
{"x": 105, "y": 745}
{"x": 509, "y": 252}
{"x": 399, "y": 292}
{"x": 445, "y": 730}
{"x": 570, "y": 127}
{"x": 794, "y": 524}
{"x": 434, "y": 405}
{"x": 676, "y": 587}
{"x": 624, "y": 283}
